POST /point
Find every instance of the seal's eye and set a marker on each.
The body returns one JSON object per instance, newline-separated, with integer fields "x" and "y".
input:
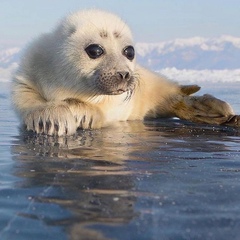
{"x": 129, "y": 52}
{"x": 94, "y": 51}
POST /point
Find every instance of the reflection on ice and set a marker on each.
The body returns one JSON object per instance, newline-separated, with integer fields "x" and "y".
{"x": 157, "y": 174}
{"x": 164, "y": 179}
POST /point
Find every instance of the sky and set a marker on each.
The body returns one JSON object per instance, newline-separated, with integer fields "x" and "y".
{"x": 150, "y": 20}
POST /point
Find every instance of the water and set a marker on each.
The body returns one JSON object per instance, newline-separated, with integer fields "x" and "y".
{"x": 163, "y": 179}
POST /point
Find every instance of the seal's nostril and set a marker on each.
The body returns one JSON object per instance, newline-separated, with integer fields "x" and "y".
{"x": 123, "y": 75}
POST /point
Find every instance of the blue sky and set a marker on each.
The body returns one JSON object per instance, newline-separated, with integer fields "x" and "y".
{"x": 150, "y": 20}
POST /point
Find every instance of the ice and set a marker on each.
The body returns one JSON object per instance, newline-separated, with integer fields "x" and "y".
{"x": 194, "y": 76}
{"x": 162, "y": 179}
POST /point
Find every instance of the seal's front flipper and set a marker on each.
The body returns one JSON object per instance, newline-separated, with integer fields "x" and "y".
{"x": 204, "y": 109}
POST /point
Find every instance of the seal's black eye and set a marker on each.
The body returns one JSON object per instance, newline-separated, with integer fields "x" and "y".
{"x": 94, "y": 51}
{"x": 129, "y": 52}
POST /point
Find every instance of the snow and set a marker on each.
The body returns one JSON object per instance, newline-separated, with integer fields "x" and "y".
{"x": 206, "y": 44}
{"x": 195, "y": 59}
{"x": 7, "y": 54}
{"x": 6, "y": 73}
{"x": 185, "y": 75}
{"x": 198, "y": 76}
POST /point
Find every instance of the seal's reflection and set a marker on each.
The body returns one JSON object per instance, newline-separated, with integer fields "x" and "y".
{"x": 93, "y": 175}
{"x": 86, "y": 174}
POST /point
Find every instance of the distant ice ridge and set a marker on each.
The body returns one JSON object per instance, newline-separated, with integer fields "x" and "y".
{"x": 6, "y": 73}
{"x": 191, "y": 53}
{"x": 194, "y": 59}
{"x": 205, "y": 44}
{"x": 9, "y": 59}
{"x": 198, "y": 76}
{"x": 183, "y": 75}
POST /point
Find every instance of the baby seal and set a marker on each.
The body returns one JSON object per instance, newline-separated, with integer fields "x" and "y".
{"x": 84, "y": 74}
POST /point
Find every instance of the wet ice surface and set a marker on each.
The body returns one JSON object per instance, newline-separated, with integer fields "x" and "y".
{"x": 158, "y": 180}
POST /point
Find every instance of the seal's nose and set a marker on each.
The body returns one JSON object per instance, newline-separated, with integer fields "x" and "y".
{"x": 123, "y": 75}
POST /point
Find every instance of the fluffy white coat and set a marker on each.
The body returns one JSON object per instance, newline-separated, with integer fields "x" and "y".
{"x": 59, "y": 88}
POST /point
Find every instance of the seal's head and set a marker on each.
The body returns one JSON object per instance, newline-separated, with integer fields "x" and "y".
{"x": 97, "y": 51}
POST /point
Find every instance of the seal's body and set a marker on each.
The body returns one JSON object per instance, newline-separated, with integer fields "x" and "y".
{"x": 84, "y": 75}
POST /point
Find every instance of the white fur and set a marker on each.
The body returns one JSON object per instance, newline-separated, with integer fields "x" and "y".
{"x": 55, "y": 84}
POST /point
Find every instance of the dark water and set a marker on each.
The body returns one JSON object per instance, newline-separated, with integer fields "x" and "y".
{"x": 155, "y": 180}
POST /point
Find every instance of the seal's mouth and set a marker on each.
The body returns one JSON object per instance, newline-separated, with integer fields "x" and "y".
{"x": 114, "y": 83}
{"x": 116, "y": 92}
